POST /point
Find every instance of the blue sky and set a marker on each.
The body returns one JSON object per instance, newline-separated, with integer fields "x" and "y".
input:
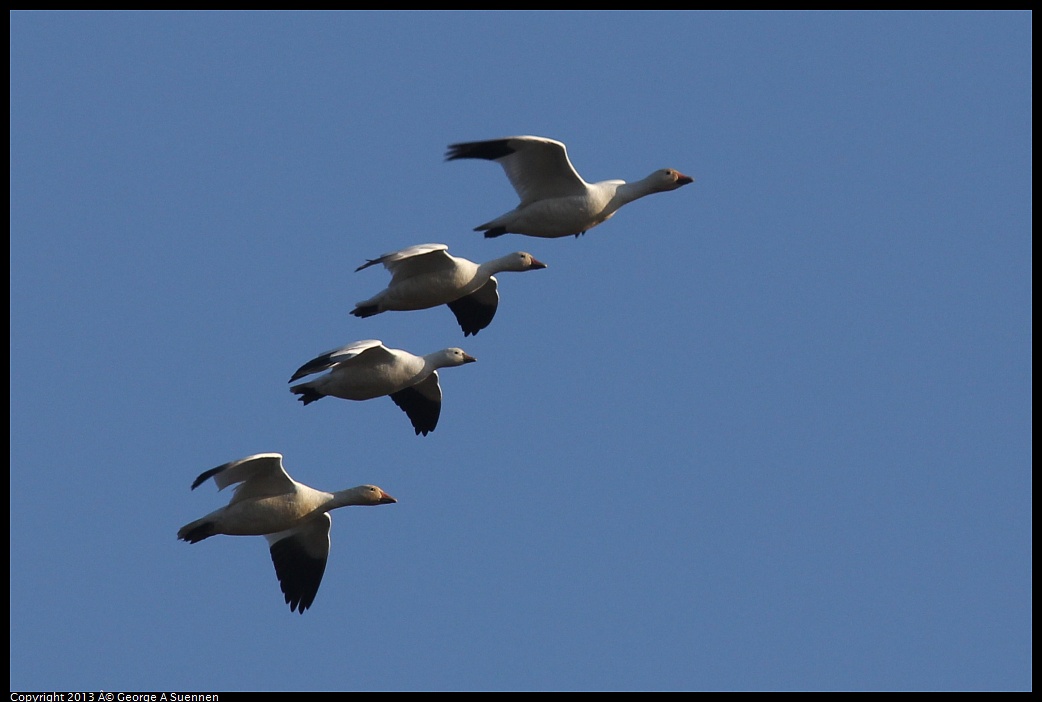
{"x": 771, "y": 431}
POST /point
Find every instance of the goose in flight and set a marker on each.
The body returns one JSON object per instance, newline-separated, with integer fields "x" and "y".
{"x": 426, "y": 275}
{"x": 293, "y": 517}
{"x": 367, "y": 369}
{"x": 555, "y": 200}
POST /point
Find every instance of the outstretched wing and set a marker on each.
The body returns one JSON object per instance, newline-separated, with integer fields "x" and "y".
{"x": 368, "y": 347}
{"x": 299, "y": 556}
{"x": 474, "y": 312}
{"x": 421, "y": 403}
{"x": 260, "y": 475}
{"x": 537, "y": 167}
{"x": 420, "y": 255}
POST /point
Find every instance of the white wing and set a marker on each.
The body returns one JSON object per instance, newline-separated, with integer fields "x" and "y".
{"x": 261, "y": 475}
{"x": 537, "y": 167}
{"x": 420, "y": 254}
{"x": 368, "y": 348}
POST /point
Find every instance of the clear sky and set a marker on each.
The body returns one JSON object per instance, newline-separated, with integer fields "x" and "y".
{"x": 771, "y": 431}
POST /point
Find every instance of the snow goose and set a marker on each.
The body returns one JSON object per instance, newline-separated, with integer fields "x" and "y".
{"x": 426, "y": 275}
{"x": 367, "y": 369}
{"x": 292, "y": 516}
{"x": 555, "y": 200}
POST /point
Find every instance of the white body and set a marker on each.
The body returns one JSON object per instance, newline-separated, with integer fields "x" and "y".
{"x": 426, "y": 275}
{"x": 555, "y": 200}
{"x": 367, "y": 369}
{"x": 292, "y": 516}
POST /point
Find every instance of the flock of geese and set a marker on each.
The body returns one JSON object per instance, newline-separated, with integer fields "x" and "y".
{"x": 294, "y": 518}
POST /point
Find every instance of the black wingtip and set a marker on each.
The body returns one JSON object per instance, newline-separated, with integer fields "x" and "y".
{"x": 472, "y": 315}
{"x": 494, "y": 232}
{"x": 307, "y": 394}
{"x": 367, "y": 311}
{"x": 313, "y": 366}
{"x": 205, "y": 476}
{"x": 488, "y": 150}
{"x": 422, "y": 411}
{"x": 196, "y": 534}
{"x": 299, "y": 575}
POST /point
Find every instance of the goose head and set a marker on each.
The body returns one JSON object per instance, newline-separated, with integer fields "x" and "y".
{"x": 452, "y": 357}
{"x": 523, "y": 261}
{"x": 668, "y": 179}
{"x": 372, "y": 495}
